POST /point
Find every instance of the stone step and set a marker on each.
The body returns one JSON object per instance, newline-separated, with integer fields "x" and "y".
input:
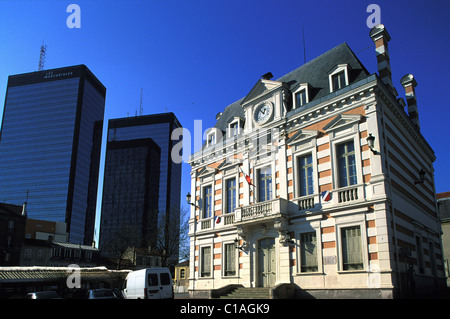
{"x": 248, "y": 293}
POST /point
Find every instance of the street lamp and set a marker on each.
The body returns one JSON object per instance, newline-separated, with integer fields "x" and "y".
{"x": 188, "y": 199}
{"x": 421, "y": 177}
{"x": 371, "y": 143}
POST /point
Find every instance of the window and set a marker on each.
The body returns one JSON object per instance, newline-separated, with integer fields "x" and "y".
{"x": 152, "y": 279}
{"x": 234, "y": 129}
{"x": 88, "y": 255}
{"x": 432, "y": 258}
{"x": 205, "y": 266}
{"x": 231, "y": 195}
{"x": 305, "y": 166}
{"x": 27, "y": 254}
{"x": 207, "y": 202}
{"x": 230, "y": 260}
{"x": 420, "y": 254}
{"x": 300, "y": 98}
{"x": 308, "y": 252}
{"x": 164, "y": 278}
{"x": 40, "y": 255}
{"x": 211, "y": 139}
{"x": 265, "y": 184}
{"x": 338, "y": 80}
{"x": 352, "y": 256}
{"x": 182, "y": 273}
{"x": 10, "y": 225}
{"x": 346, "y": 164}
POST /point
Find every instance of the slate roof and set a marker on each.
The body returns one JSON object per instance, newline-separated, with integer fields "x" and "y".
{"x": 314, "y": 72}
{"x": 35, "y": 274}
{"x": 10, "y": 209}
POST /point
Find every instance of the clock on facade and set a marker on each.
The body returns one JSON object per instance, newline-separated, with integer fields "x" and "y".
{"x": 263, "y": 113}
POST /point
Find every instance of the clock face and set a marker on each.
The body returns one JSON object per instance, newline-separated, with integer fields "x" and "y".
{"x": 262, "y": 113}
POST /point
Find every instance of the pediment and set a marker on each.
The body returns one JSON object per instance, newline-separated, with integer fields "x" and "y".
{"x": 206, "y": 171}
{"x": 342, "y": 121}
{"x": 302, "y": 136}
{"x": 261, "y": 87}
{"x": 229, "y": 167}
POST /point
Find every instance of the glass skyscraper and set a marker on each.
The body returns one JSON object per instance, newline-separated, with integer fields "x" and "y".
{"x": 50, "y": 142}
{"x": 141, "y": 193}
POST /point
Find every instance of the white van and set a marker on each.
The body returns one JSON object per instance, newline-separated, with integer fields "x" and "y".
{"x": 149, "y": 283}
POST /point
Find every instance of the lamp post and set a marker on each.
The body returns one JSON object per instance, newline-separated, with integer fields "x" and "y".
{"x": 188, "y": 200}
{"x": 421, "y": 177}
{"x": 371, "y": 143}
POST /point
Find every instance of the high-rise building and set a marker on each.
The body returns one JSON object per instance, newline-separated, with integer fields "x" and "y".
{"x": 142, "y": 185}
{"x": 50, "y": 143}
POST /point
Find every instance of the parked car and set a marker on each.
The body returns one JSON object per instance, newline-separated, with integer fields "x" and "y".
{"x": 149, "y": 283}
{"x": 101, "y": 294}
{"x": 43, "y": 295}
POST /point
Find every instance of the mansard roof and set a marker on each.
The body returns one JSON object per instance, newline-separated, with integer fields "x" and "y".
{"x": 315, "y": 73}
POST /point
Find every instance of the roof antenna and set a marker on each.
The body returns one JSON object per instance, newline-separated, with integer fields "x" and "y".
{"x": 42, "y": 56}
{"x": 304, "y": 48}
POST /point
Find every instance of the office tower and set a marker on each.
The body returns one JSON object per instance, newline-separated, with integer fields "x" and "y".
{"x": 142, "y": 185}
{"x": 50, "y": 146}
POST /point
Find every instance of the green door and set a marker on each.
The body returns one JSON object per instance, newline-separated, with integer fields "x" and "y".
{"x": 266, "y": 262}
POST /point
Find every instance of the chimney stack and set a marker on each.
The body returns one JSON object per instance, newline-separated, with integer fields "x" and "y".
{"x": 24, "y": 209}
{"x": 381, "y": 37}
{"x": 409, "y": 83}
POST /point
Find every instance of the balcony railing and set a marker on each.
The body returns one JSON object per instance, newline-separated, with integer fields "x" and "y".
{"x": 348, "y": 195}
{"x": 210, "y": 223}
{"x": 281, "y": 207}
{"x": 264, "y": 210}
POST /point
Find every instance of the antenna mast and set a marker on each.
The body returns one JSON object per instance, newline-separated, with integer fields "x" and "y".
{"x": 42, "y": 56}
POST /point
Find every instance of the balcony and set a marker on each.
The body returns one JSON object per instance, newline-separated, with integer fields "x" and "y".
{"x": 264, "y": 211}
{"x": 208, "y": 224}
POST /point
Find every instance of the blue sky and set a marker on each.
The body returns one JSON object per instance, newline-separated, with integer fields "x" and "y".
{"x": 195, "y": 57}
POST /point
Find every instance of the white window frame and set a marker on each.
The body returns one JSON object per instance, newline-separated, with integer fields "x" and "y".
{"x": 255, "y": 178}
{"x": 342, "y": 134}
{"x": 203, "y": 201}
{"x": 360, "y": 221}
{"x": 236, "y": 260}
{"x": 312, "y": 226}
{"x": 211, "y": 261}
{"x": 337, "y": 69}
{"x": 237, "y": 121}
{"x": 225, "y": 192}
{"x": 296, "y": 156}
{"x": 303, "y": 87}
{"x": 211, "y": 139}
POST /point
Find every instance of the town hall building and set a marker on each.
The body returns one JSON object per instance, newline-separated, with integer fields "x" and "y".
{"x": 317, "y": 184}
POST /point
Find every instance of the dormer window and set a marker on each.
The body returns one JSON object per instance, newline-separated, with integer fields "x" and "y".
{"x": 338, "y": 77}
{"x": 301, "y": 95}
{"x": 300, "y": 98}
{"x": 234, "y": 127}
{"x": 338, "y": 81}
{"x": 211, "y": 139}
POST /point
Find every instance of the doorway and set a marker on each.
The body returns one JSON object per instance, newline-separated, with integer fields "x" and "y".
{"x": 266, "y": 262}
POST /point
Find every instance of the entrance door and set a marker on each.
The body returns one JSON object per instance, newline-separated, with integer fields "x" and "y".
{"x": 266, "y": 262}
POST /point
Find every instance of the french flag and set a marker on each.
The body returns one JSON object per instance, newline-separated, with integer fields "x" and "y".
{"x": 326, "y": 196}
{"x": 247, "y": 178}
